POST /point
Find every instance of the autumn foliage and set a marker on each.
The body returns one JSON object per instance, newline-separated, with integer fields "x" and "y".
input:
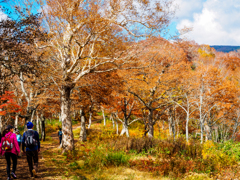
{"x": 8, "y": 104}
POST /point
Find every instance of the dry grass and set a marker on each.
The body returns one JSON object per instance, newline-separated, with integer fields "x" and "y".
{"x": 123, "y": 173}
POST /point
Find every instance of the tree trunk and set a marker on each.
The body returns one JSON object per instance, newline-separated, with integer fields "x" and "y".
{"x": 16, "y": 121}
{"x": 150, "y": 132}
{"x": 1, "y": 123}
{"x": 150, "y": 124}
{"x": 187, "y": 121}
{"x": 67, "y": 139}
{"x": 83, "y": 133}
{"x": 173, "y": 129}
{"x": 43, "y": 136}
{"x": 235, "y": 127}
{"x": 59, "y": 116}
{"x": 171, "y": 123}
{"x": 90, "y": 120}
{"x": 169, "y": 126}
{"x": 41, "y": 126}
{"x": 208, "y": 131}
{"x": 111, "y": 119}
{"x": 216, "y": 134}
{"x": 177, "y": 122}
{"x": 125, "y": 129}
{"x": 74, "y": 115}
{"x": 37, "y": 122}
{"x": 117, "y": 128}
{"x": 32, "y": 116}
{"x": 104, "y": 118}
{"x": 200, "y": 113}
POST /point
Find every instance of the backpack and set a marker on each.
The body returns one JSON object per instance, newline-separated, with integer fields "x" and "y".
{"x": 30, "y": 142}
{"x": 60, "y": 133}
{"x": 19, "y": 138}
{"x": 7, "y": 145}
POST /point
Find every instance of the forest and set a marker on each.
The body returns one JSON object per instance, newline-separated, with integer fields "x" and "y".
{"x": 131, "y": 104}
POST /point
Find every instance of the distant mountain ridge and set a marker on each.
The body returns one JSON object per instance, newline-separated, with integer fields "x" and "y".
{"x": 225, "y": 49}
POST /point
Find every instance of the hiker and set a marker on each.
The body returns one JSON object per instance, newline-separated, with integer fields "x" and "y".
{"x": 32, "y": 144}
{"x": 19, "y": 139}
{"x": 9, "y": 147}
{"x": 60, "y": 135}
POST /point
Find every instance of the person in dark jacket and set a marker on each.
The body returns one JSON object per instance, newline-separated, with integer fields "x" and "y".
{"x": 31, "y": 142}
{"x": 60, "y": 135}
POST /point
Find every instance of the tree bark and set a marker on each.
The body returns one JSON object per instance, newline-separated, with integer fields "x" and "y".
{"x": 104, "y": 118}
{"x": 37, "y": 122}
{"x": 43, "y": 136}
{"x": 32, "y": 115}
{"x": 1, "y": 124}
{"x": 187, "y": 122}
{"x": 90, "y": 120}
{"x": 83, "y": 132}
{"x": 67, "y": 139}
{"x": 112, "y": 119}
{"x": 216, "y": 134}
{"x": 200, "y": 113}
{"x": 177, "y": 124}
{"x": 150, "y": 124}
{"x": 16, "y": 121}
{"x": 59, "y": 116}
{"x": 125, "y": 130}
{"x": 170, "y": 125}
{"x": 41, "y": 126}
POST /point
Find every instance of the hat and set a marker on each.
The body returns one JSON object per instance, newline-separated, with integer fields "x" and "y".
{"x": 17, "y": 131}
{"x": 29, "y": 125}
{"x": 9, "y": 126}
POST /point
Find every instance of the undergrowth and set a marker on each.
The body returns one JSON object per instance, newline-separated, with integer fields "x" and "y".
{"x": 161, "y": 157}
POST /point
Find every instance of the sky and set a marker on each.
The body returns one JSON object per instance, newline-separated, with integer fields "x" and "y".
{"x": 212, "y": 22}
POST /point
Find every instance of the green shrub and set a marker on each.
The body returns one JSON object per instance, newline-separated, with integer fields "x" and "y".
{"x": 99, "y": 158}
{"x": 117, "y": 158}
{"x": 230, "y": 148}
{"x": 74, "y": 165}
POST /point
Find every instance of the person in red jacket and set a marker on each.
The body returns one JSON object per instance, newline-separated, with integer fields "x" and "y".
{"x": 11, "y": 150}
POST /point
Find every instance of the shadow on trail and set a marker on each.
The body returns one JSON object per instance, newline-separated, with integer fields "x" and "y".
{"x": 23, "y": 170}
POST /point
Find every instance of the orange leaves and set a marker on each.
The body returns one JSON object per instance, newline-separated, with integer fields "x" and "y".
{"x": 8, "y": 105}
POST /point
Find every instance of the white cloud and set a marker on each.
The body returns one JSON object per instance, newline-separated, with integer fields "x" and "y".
{"x": 218, "y": 23}
{"x": 186, "y": 8}
{"x": 2, "y": 16}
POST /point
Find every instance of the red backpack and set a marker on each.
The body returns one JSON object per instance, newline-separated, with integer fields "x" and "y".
{"x": 7, "y": 145}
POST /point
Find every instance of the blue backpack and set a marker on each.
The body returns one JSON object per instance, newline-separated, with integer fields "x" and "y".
{"x": 19, "y": 138}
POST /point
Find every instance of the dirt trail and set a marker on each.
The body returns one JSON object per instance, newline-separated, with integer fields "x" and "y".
{"x": 22, "y": 166}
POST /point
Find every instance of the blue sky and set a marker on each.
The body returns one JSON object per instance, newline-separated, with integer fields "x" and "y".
{"x": 213, "y": 22}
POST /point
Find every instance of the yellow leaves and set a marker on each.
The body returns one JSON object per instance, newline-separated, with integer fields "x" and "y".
{"x": 211, "y": 152}
{"x": 206, "y": 52}
{"x": 180, "y": 102}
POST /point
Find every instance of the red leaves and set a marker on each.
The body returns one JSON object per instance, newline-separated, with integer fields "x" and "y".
{"x": 7, "y": 104}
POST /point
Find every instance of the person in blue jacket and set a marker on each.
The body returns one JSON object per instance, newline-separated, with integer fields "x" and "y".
{"x": 19, "y": 139}
{"x": 60, "y": 135}
{"x": 31, "y": 142}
